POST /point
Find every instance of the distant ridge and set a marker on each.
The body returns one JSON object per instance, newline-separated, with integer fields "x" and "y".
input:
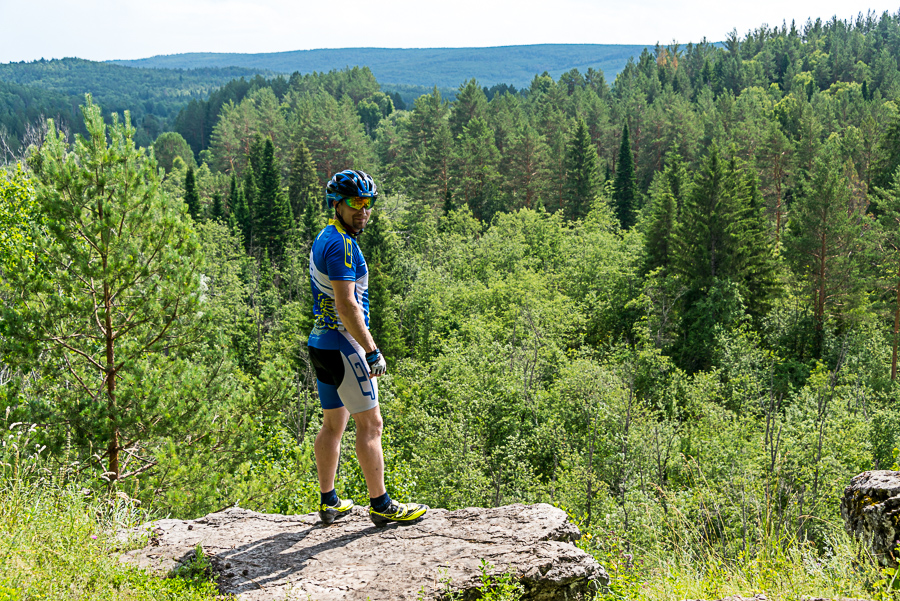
{"x": 442, "y": 67}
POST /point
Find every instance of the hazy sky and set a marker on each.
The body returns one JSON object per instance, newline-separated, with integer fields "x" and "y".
{"x": 125, "y": 29}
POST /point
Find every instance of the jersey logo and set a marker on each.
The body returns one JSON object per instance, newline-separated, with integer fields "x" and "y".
{"x": 348, "y": 252}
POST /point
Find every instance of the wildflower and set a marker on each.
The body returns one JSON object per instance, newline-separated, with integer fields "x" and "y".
{"x": 94, "y": 536}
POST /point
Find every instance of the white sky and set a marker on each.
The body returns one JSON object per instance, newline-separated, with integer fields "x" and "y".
{"x": 129, "y": 29}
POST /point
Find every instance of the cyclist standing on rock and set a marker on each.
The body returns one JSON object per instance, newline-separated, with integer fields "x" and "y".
{"x": 345, "y": 356}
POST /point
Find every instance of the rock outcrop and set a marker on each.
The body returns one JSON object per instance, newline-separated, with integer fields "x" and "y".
{"x": 871, "y": 512}
{"x": 266, "y": 556}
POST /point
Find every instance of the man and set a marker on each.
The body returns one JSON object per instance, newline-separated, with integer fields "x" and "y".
{"x": 344, "y": 354}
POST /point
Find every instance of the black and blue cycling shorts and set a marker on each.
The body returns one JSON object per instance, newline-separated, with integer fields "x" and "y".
{"x": 342, "y": 377}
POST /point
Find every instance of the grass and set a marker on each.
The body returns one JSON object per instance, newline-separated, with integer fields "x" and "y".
{"x": 56, "y": 542}
{"x": 782, "y": 567}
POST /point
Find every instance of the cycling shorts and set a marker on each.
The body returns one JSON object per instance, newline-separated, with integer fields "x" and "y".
{"x": 342, "y": 377}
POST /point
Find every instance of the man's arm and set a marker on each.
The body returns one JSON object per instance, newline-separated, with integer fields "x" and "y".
{"x": 351, "y": 314}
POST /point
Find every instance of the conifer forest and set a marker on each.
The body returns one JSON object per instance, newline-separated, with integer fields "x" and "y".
{"x": 668, "y": 304}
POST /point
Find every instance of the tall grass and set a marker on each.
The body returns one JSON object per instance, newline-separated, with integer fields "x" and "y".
{"x": 778, "y": 562}
{"x": 57, "y": 538}
{"x": 57, "y": 541}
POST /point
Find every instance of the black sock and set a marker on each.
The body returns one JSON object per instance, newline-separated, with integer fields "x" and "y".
{"x": 381, "y": 503}
{"x": 330, "y": 498}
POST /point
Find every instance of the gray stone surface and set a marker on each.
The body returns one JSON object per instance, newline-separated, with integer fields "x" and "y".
{"x": 267, "y": 556}
{"x": 871, "y": 512}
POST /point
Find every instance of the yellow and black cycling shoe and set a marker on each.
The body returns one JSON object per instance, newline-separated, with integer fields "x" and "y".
{"x": 329, "y": 513}
{"x": 398, "y": 512}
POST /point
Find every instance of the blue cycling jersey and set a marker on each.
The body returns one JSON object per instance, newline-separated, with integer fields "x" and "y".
{"x": 335, "y": 255}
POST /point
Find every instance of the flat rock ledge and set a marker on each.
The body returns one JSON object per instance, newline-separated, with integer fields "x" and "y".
{"x": 259, "y": 556}
{"x": 871, "y": 512}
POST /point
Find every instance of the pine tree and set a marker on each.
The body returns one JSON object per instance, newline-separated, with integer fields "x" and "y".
{"x": 758, "y": 276}
{"x": 889, "y": 147}
{"x": 471, "y": 103}
{"x": 661, "y": 224}
{"x": 524, "y": 168}
{"x": 667, "y": 194}
{"x": 721, "y": 251}
{"x": 475, "y": 173}
{"x": 555, "y": 126}
{"x": 272, "y": 218}
{"x": 449, "y": 205}
{"x": 775, "y": 158}
{"x": 704, "y": 247}
{"x": 303, "y": 183}
{"x": 582, "y": 173}
{"x": 380, "y": 248}
{"x": 239, "y": 218}
{"x": 426, "y": 149}
{"x": 625, "y": 183}
{"x": 250, "y": 194}
{"x": 255, "y": 154}
{"x": 889, "y": 220}
{"x": 121, "y": 288}
{"x": 191, "y": 197}
{"x": 312, "y": 220}
{"x": 217, "y": 210}
{"x": 826, "y": 237}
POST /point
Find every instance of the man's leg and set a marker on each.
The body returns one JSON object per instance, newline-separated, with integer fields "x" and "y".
{"x": 328, "y": 446}
{"x": 368, "y": 450}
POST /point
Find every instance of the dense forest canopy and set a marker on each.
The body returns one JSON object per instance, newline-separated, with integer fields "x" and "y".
{"x": 670, "y": 305}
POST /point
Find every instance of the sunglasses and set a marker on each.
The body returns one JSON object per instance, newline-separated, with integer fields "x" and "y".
{"x": 359, "y": 202}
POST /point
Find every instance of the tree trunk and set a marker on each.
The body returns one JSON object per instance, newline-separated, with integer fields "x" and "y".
{"x": 896, "y": 330}
{"x": 819, "y": 313}
{"x": 778, "y": 175}
{"x": 590, "y": 474}
{"x": 112, "y": 447}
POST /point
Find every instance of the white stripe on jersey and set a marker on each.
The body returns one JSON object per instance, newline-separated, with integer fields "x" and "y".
{"x": 321, "y": 279}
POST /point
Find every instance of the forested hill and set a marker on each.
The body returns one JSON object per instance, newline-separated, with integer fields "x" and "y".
{"x": 442, "y": 67}
{"x": 55, "y": 88}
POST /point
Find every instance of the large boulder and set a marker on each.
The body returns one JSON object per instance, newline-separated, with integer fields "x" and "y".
{"x": 871, "y": 512}
{"x": 268, "y": 556}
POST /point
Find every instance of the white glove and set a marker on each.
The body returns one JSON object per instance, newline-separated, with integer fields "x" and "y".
{"x": 377, "y": 364}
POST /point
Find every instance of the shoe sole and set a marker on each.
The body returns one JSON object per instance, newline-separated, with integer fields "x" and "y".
{"x": 381, "y": 521}
{"x": 328, "y": 517}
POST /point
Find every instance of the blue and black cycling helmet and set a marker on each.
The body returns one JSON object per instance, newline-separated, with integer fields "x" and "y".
{"x": 350, "y": 183}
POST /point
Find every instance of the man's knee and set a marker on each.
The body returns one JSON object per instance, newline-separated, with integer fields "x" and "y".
{"x": 334, "y": 422}
{"x": 369, "y": 423}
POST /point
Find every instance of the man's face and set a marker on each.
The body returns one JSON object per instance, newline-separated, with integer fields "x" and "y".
{"x": 355, "y": 218}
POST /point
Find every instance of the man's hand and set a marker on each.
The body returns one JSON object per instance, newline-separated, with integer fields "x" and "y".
{"x": 377, "y": 364}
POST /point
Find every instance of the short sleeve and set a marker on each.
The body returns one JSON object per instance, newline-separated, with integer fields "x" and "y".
{"x": 340, "y": 259}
